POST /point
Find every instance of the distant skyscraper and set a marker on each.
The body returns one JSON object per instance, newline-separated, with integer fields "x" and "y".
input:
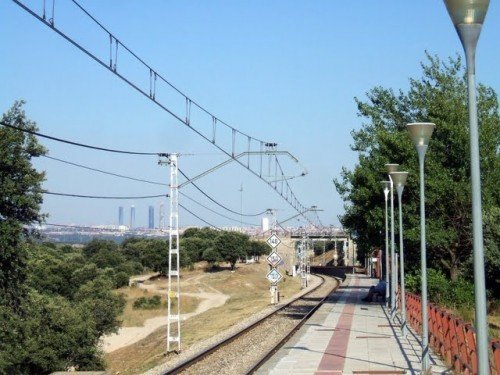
{"x": 120, "y": 215}
{"x": 132, "y": 216}
{"x": 151, "y": 217}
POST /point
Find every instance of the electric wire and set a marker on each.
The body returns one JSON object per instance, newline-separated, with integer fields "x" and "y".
{"x": 80, "y": 144}
{"x": 114, "y": 174}
{"x": 196, "y": 216}
{"x": 145, "y": 181}
{"x": 217, "y": 203}
{"x": 105, "y": 172}
{"x": 102, "y": 197}
{"x": 215, "y": 212}
{"x": 152, "y": 92}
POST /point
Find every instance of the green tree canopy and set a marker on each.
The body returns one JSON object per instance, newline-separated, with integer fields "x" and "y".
{"x": 232, "y": 246}
{"x": 20, "y": 200}
{"x": 439, "y": 96}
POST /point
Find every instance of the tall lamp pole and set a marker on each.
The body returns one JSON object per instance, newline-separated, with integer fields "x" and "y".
{"x": 399, "y": 179}
{"x": 387, "y": 186}
{"x": 392, "y": 168}
{"x": 420, "y": 134}
{"x": 468, "y": 17}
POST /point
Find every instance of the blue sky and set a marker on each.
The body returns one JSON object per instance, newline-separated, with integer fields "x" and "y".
{"x": 285, "y": 71}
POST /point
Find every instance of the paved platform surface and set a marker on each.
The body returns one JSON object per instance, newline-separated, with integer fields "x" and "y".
{"x": 349, "y": 336}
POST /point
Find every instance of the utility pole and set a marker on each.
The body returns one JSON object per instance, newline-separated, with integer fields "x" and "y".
{"x": 173, "y": 288}
{"x": 302, "y": 259}
{"x": 274, "y": 259}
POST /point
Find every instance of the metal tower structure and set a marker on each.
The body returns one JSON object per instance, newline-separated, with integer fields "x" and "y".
{"x": 173, "y": 287}
{"x": 302, "y": 259}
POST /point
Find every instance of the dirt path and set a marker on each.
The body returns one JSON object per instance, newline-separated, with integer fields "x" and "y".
{"x": 129, "y": 335}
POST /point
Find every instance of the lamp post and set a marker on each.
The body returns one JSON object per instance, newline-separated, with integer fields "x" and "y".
{"x": 392, "y": 168}
{"x": 386, "y": 186}
{"x": 420, "y": 134}
{"x": 399, "y": 179}
{"x": 468, "y": 17}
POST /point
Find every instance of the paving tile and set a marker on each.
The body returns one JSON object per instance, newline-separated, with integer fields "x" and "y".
{"x": 318, "y": 348}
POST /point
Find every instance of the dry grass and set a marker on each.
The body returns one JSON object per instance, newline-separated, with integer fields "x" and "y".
{"x": 136, "y": 317}
{"x": 467, "y": 315}
{"x": 249, "y": 293}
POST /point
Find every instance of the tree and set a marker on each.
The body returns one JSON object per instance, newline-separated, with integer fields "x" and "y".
{"x": 258, "y": 248}
{"x": 204, "y": 233}
{"x": 194, "y": 247}
{"x": 232, "y": 246}
{"x": 98, "y": 300}
{"x": 212, "y": 256}
{"x": 58, "y": 335}
{"x": 97, "y": 246}
{"x": 20, "y": 200}
{"x": 439, "y": 96}
{"x": 50, "y": 272}
{"x": 154, "y": 255}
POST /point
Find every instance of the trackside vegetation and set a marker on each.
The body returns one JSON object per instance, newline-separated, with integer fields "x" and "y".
{"x": 57, "y": 301}
{"x": 438, "y": 96}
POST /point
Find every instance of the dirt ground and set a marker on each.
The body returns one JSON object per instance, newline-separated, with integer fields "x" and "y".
{"x": 245, "y": 291}
{"x": 204, "y": 299}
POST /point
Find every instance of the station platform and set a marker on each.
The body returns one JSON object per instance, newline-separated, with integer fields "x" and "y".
{"x": 349, "y": 336}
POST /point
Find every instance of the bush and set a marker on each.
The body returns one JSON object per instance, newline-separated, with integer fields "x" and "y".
{"x": 121, "y": 279}
{"x": 442, "y": 291}
{"x": 147, "y": 303}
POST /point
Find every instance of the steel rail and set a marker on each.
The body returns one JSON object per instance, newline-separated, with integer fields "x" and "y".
{"x": 202, "y": 355}
{"x": 285, "y": 339}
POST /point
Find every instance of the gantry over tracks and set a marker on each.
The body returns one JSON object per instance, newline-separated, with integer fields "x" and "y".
{"x": 246, "y": 350}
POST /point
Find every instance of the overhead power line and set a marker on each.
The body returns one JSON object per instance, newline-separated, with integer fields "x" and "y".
{"x": 105, "y": 172}
{"x": 223, "y": 136}
{"x": 215, "y": 212}
{"x": 196, "y": 216}
{"x": 79, "y": 144}
{"x": 142, "y": 180}
{"x": 103, "y": 197}
{"x": 118, "y": 175}
{"x": 220, "y": 204}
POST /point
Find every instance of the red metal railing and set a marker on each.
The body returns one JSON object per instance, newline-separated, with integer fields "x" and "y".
{"x": 451, "y": 337}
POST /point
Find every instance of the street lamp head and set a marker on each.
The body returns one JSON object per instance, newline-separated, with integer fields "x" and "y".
{"x": 467, "y": 11}
{"x": 392, "y": 168}
{"x": 399, "y": 178}
{"x": 468, "y": 17}
{"x": 420, "y": 134}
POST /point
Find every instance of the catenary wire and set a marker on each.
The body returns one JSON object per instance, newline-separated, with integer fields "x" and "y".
{"x": 146, "y": 181}
{"x": 217, "y": 203}
{"x": 196, "y": 216}
{"x": 215, "y": 212}
{"x": 105, "y": 172}
{"x": 154, "y": 74}
{"x": 121, "y": 152}
{"x": 79, "y": 144}
{"x": 102, "y": 197}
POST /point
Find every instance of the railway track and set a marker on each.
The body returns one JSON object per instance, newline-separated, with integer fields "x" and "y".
{"x": 245, "y": 351}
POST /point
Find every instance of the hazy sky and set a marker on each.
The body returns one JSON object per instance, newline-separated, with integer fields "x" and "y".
{"x": 285, "y": 71}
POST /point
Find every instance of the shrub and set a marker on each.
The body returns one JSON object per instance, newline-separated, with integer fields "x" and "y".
{"x": 147, "y": 303}
{"x": 121, "y": 279}
{"x": 442, "y": 291}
